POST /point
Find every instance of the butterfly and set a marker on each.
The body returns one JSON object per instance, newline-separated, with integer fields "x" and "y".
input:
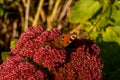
{"x": 61, "y": 41}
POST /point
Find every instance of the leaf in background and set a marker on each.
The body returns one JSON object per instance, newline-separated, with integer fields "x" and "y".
{"x": 118, "y": 40}
{"x": 84, "y": 10}
{"x": 104, "y": 18}
{"x": 116, "y": 13}
{"x": 13, "y": 43}
{"x": 110, "y": 54}
{"x": 109, "y": 35}
{"x": 93, "y": 34}
{"x": 1, "y": 1}
{"x": 1, "y": 12}
{"x": 116, "y": 29}
{"x": 115, "y": 75}
{"x": 4, "y": 55}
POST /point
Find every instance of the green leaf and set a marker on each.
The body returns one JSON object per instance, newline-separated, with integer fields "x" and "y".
{"x": 115, "y": 15}
{"x": 94, "y": 34}
{"x": 116, "y": 29}
{"x": 118, "y": 40}
{"x": 109, "y": 35}
{"x": 84, "y": 10}
{"x": 1, "y": 12}
{"x": 13, "y": 43}
{"x": 110, "y": 54}
{"x": 4, "y": 55}
{"x": 104, "y": 18}
{"x": 1, "y": 1}
{"x": 115, "y": 75}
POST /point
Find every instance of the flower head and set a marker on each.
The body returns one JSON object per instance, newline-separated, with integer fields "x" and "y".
{"x": 31, "y": 42}
{"x": 78, "y": 61}
{"x": 14, "y": 68}
{"x": 83, "y": 62}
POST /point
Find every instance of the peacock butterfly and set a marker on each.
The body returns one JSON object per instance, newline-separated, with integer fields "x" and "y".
{"x": 61, "y": 41}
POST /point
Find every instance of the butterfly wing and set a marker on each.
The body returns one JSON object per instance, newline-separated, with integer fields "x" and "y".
{"x": 61, "y": 41}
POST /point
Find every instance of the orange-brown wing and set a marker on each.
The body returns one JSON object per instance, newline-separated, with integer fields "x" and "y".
{"x": 61, "y": 41}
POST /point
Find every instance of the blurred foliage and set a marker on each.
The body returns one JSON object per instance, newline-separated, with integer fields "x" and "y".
{"x": 10, "y": 20}
{"x": 13, "y": 43}
{"x": 4, "y": 55}
{"x": 101, "y": 22}
{"x": 84, "y": 10}
{"x": 98, "y": 20}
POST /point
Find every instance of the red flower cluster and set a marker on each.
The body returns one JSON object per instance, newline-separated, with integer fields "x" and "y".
{"x": 78, "y": 61}
{"x": 14, "y": 68}
{"x": 84, "y": 62}
{"x": 31, "y": 44}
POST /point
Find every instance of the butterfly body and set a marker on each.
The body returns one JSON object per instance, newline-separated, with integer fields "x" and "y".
{"x": 61, "y": 41}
